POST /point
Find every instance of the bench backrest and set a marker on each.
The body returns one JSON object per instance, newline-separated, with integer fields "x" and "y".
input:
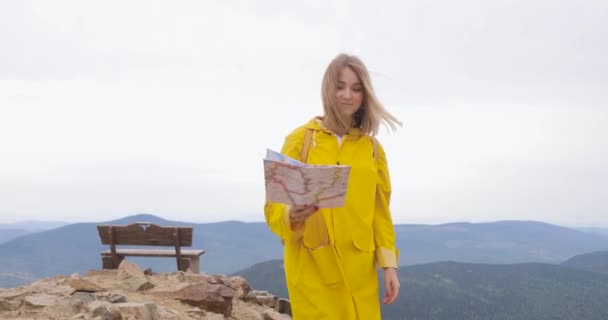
{"x": 145, "y": 234}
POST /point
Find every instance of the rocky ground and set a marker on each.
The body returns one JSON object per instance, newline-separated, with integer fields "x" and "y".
{"x": 132, "y": 293}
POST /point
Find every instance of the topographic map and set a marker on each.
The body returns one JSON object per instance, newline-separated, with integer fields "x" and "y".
{"x": 292, "y": 182}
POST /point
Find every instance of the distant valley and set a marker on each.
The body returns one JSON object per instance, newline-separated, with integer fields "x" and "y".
{"x": 232, "y": 246}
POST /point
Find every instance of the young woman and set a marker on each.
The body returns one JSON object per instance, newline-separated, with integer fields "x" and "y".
{"x": 331, "y": 255}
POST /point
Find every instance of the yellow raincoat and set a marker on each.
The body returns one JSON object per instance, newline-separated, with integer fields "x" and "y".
{"x": 330, "y": 260}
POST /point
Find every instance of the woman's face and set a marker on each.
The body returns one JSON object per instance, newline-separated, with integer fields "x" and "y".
{"x": 349, "y": 93}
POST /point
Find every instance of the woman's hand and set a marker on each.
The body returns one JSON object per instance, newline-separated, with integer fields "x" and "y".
{"x": 300, "y": 213}
{"x": 391, "y": 285}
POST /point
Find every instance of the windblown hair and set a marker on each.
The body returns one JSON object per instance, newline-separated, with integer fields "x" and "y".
{"x": 371, "y": 113}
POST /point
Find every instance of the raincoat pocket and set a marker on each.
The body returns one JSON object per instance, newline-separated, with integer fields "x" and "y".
{"x": 364, "y": 241}
{"x": 315, "y": 234}
{"x": 326, "y": 264}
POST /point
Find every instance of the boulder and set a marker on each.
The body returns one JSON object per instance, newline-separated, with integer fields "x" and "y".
{"x": 131, "y": 269}
{"x": 264, "y": 298}
{"x": 240, "y": 286}
{"x": 211, "y": 297}
{"x": 9, "y": 305}
{"x": 273, "y": 315}
{"x": 82, "y": 285}
{"x": 136, "y": 284}
{"x": 138, "y": 310}
{"x": 117, "y": 298}
{"x": 41, "y": 300}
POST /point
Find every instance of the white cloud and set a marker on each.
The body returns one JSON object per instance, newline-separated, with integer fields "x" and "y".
{"x": 113, "y": 108}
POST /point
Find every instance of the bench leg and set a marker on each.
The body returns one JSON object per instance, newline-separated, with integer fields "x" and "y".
{"x": 107, "y": 263}
{"x": 184, "y": 264}
{"x": 194, "y": 265}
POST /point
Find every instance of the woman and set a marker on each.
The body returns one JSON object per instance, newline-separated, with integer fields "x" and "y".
{"x": 331, "y": 255}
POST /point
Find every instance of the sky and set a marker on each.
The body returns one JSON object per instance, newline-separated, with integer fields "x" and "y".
{"x": 113, "y": 108}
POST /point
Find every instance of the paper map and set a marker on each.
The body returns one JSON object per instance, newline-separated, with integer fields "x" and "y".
{"x": 292, "y": 182}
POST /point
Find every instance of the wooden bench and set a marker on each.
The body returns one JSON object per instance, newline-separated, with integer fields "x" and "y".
{"x": 148, "y": 234}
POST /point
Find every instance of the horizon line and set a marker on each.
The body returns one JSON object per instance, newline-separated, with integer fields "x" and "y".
{"x": 68, "y": 222}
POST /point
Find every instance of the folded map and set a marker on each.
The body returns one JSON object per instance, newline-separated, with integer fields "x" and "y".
{"x": 292, "y": 182}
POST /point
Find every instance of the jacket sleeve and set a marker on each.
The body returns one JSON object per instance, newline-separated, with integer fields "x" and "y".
{"x": 387, "y": 255}
{"x": 277, "y": 214}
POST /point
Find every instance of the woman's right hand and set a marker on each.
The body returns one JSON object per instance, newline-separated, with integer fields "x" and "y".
{"x": 300, "y": 213}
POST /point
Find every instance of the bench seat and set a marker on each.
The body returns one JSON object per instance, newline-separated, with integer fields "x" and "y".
{"x": 153, "y": 252}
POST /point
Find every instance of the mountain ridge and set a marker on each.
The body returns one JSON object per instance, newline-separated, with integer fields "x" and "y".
{"x": 233, "y": 245}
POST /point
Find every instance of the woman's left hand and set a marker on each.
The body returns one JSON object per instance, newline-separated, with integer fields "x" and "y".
{"x": 391, "y": 285}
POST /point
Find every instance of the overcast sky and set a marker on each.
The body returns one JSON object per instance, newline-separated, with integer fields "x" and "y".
{"x": 112, "y": 108}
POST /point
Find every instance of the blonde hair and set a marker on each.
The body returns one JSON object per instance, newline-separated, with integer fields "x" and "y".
{"x": 371, "y": 113}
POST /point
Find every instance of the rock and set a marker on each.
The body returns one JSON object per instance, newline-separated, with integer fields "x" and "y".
{"x": 40, "y": 300}
{"x": 165, "y": 313}
{"x": 136, "y": 284}
{"x": 9, "y": 305}
{"x": 59, "y": 290}
{"x": 273, "y": 315}
{"x": 284, "y": 307}
{"x": 196, "y": 277}
{"x": 217, "y": 279}
{"x": 117, "y": 298}
{"x": 243, "y": 310}
{"x": 148, "y": 272}
{"x": 264, "y": 298}
{"x": 52, "y": 287}
{"x": 240, "y": 286}
{"x": 80, "y": 300}
{"x": 131, "y": 269}
{"x": 214, "y": 316}
{"x": 83, "y": 285}
{"x": 104, "y": 273}
{"x": 103, "y": 310}
{"x": 196, "y": 312}
{"x": 178, "y": 276}
{"x": 86, "y": 297}
{"x": 211, "y": 297}
{"x": 106, "y": 295}
{"x": 269, "y": 300}
{"x": 12, "y": 293}
{"x": 138, "y": 310}
{"x": 96, "y": 304}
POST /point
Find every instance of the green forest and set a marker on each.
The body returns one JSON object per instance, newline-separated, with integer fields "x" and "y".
{"x": 467, "y": 291}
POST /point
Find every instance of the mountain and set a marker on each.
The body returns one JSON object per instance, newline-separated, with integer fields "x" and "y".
{"x": 496, "y": 242}
{"x": 267, "y": 275}
{"x": 73, "y": 248}
{"x": 598, "y": 231}
{"x": 9, "y": 231}
{"x": 33, "y": 225}
{"x": 8, "y": 234}
{"x": 536, "y": 291}
{"x": 593, "y": 261}
{"x": 454, "y": 291}
{"x": 233, "y": 245}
